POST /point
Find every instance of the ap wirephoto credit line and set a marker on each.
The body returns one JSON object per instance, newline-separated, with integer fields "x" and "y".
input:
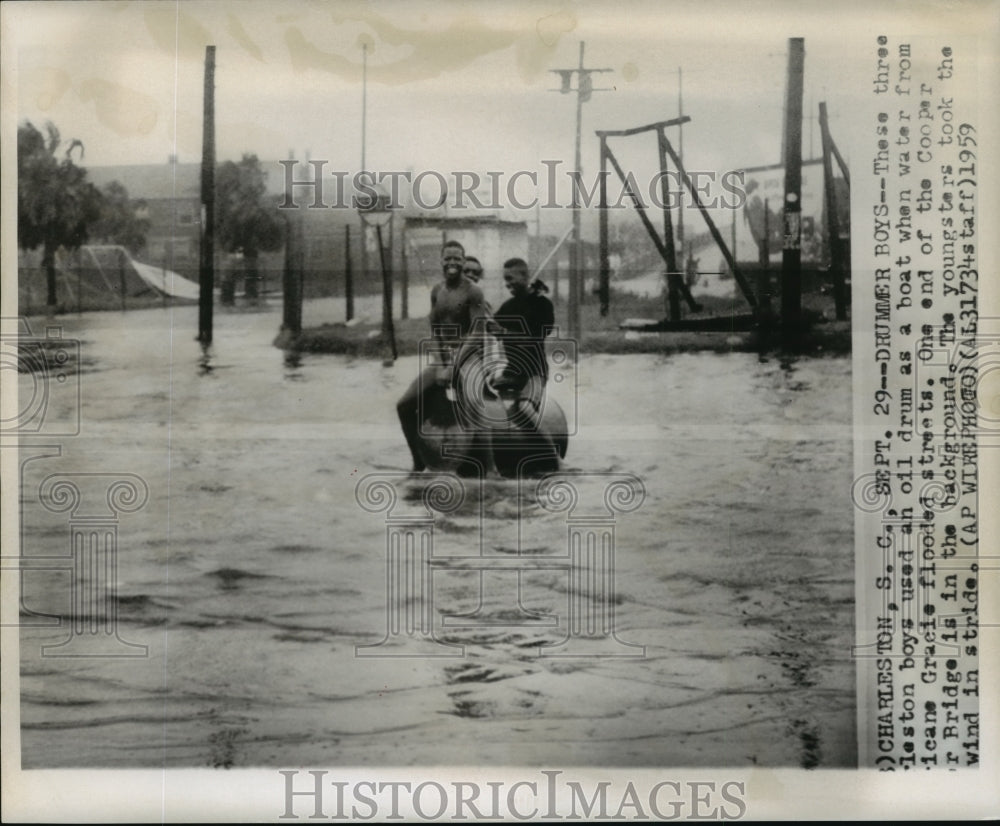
{"x": 494, "y": 412}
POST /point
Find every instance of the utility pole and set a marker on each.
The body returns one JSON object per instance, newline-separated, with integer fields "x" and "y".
{"x": 680, "y": 151}
{"x": 291, "y": 305}
{"x": 584, "y": 89}
{"x": 791, "y": 258}
{"x": 206, "y": 275}
{"x": 364, "y": 118}
{"x": 348, "y": 276}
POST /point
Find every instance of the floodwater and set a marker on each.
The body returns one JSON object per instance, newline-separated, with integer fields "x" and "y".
{"x": 251, "y": 573}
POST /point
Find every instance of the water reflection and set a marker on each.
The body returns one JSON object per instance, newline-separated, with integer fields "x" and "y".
{"x": 205, "y": 367}
{"x": 390, "y": 372}
{"x": 293, "y": 361}
{"x": 788, "y": 362}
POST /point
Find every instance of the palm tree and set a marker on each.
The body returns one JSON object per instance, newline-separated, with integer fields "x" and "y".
{"x": 56, "y": 204}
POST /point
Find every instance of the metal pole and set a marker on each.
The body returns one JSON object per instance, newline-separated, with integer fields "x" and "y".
{"x": 791, "y": 258}
{"x": 207, "y": 270}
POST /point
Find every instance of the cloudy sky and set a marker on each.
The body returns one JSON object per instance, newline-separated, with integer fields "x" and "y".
{"x": 451, "y": 86}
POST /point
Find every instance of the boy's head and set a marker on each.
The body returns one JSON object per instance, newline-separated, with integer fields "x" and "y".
{"x": 515, "y": 275}
{"x": 452, "y": 260}
{"x": 472, "y": 270}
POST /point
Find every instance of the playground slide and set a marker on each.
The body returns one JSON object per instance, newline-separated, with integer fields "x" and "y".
{"x": 165, "y": 281}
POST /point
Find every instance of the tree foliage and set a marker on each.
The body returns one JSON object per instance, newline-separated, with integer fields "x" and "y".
{"x": 119, "y": 222}
{"x": 56, "y": 204}
{"x": 246, "y": 220}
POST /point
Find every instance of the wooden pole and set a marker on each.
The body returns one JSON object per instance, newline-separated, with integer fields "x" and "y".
{"x": 363, "y": 273}
{"x": 549, "y": 256}
{"x": 764, "y": 277}
{"x": 713, "y": 230}
{"x": 388, "y": 331}
{"x": 680, "y": 148}
{"x": 404, "y": 277}
{"x": 765, "y": 241}
{"x": 658, "y": 242}
{"x": 673, "y": 277}
{"x": 576, "y": 264}
{"x": 300, "y": 271}
{"x": 791, "y": 257}
{"x": 348, "y": 276}
{"x": 602, "y": 213}
{"x": 832, "y": 219}
{"x": 732, "y": 239}
{"x": 841, "y": 162}
{"x": 207, "y": 269}
{"x": 49, "y": 264}
{"x": 121, "y": 276}
{"x": 293, "y": 275}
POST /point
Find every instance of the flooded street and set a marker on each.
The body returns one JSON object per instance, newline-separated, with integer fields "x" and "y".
{"x": 252, "y": 572}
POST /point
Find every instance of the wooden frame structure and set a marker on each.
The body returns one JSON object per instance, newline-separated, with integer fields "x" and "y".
{"x": 677, "y": 289}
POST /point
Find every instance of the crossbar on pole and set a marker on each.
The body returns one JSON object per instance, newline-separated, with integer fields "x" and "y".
{"x": 649, "y": 127}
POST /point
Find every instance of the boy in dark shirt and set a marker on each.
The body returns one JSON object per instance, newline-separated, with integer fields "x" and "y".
{"x": 526, "y": 317}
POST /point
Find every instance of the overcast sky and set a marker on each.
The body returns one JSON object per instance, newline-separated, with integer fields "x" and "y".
{"x": 448, "y": 83}
{"x": 451, "y": 86}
